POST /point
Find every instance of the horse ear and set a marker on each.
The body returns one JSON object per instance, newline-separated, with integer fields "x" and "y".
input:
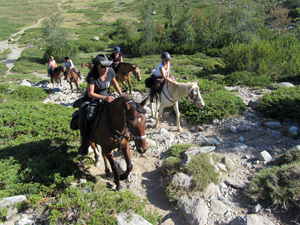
{"x": 127, "y": 106}
{"x": 143, "y": 103}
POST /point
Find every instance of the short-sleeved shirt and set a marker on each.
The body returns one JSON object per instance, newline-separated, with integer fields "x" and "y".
{"x": 101, "y": 87}
{"x": 114, "y": 58}
{"x": 157, "y": 72}
{"x": 69, "y": 64}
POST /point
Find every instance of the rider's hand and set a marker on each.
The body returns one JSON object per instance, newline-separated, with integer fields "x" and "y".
{"x": 108, "y": 98}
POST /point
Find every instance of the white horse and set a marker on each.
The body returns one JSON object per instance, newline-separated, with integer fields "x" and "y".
{"x": 170, "y": 95}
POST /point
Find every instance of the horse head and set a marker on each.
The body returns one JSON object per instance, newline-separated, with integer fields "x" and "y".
{"x": 195, "y": 96}
{"x": 136, "y": 72}
{"x": 136, "y": 123}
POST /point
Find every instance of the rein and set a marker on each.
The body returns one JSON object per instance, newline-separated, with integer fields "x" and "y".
{"x": 119, "y": 136}
{"x": 173, "y": 100}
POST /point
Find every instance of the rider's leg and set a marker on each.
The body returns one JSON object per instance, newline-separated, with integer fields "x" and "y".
{"x": 84, "y": 148}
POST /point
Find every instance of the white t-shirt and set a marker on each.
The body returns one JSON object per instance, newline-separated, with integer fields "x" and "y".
{"x": 157, "y": 71}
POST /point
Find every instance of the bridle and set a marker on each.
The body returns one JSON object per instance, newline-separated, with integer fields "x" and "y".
{"x": 121, "y": 136}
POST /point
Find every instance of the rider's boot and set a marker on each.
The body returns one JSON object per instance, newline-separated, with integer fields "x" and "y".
{"x": 84, "y": 148}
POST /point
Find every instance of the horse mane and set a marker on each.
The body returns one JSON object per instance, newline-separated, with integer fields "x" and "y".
{"x": 126, "y": 63}
{"x": 134, "y": 106}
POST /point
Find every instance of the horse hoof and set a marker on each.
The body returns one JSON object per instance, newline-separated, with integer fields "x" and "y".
{"x": 119, "y": 187}
{"x": 123, "y": 176}
{"x": 107, "y": 173}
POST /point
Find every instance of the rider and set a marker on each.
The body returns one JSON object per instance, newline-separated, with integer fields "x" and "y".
{"x": 162, "y": 73}
{"x": 98, "y": 82}
{"x": 116, "y": 57}
{"x": 51, "y": 65}
{"x": 70, "y": 66}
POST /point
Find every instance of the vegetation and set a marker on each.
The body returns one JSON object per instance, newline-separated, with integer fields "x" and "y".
{"x": 282, "y": 103}
{"x": 279, "y": 186}
{"x": 199, "y": 167}
{"x": 38, "y": 159}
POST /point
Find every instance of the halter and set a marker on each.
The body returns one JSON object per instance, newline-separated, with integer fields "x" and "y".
{"x": 173, "y": 100}
{"x": 120, "y": 137}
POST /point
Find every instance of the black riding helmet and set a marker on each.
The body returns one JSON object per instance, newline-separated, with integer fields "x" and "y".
{"x": 102, "y": 60}
{"x": 165, "y": 55}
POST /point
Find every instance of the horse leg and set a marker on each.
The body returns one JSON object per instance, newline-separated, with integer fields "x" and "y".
{"x": 113, "y": 165}
{"x": 71, "y": 86}
{"x": 96, "y": 154}
{"x": 107, "y": 170}
{"x": 126, "y": 88}
{"x": 160, "y": 111}
{"x": 77, "y": 86}
{"x": 126, "y": 154}
{"x": 129, "y": 84}
{"x": 176, "y": 108}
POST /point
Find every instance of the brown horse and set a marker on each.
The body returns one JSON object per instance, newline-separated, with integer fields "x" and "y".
{"x": 124, "y": 71}
{"x": 121, "y": 121}
{"x": 72, "y": 77}
{"x": 56, "y": 78}
{"x": 88, "y": 65}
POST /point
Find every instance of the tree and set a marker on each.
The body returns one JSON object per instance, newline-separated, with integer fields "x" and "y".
{"x": 56, "y": 39}
{"x": 280, "y": 18}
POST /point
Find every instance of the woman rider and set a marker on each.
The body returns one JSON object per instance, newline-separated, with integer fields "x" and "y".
{"x": 98, "y": 82}
{"x": 116, "y": 57}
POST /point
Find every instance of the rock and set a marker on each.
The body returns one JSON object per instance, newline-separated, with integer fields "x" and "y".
{"x": 293, "y": 131}
{"x": 238, "y": 184}
{"x": 211, "y": 189}
{"x": 195, "y": 211}
{"x": 264, "y": 156}
{"x": 254, "y": 219}
{"x": 244, "y": 128}
{"x": 218, "y": 207}
{"x": 4, "y": 202}
{"x": 96, "y": 38}
{"x": 230, "y": 165}
{"x": 286, "y": 84}
{"x": 233, "y": 129}
{"x": 273, "y": 124}
{"x": 182, "y": 180}
{"x": 126, "y": 218}
{"x": 26, "y": 83}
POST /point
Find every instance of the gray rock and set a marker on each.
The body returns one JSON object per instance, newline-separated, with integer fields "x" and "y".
{"x": 195, "y": 211}
{"x": 273, "y": 124}
{"x": 238, "y": 184}
{"x": 254, "y": 219}
{"x": 264, "y": 156}
{"x": 244, "y": 128}
{"x": 4, "y": 202}
{"x": 126, "y": 218}
{"x": 182, "y": 180}
{"x": 211, "y": 189}
{"x": 293, "y": 131}
{"x": 218, "y": 207}
{"x": 233, "y": 129}
{"x": 230, "y": 165}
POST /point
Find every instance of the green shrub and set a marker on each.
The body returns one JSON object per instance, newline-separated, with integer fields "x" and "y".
{"x": 291, "y": 156}
{"x": 178, "y": 149}
{"x": 29, "y": 94}
{"x": 91, "y": 46}
{"x": 276, "y": 187}
{"x": 202, "y": 171}
{"x": 3, "y": 69}
{"x": 4, "y": 89}
{"x": 171, "y": 165}
{"x": 247, "y": 79}
{"x": 218, "y": 105}
{"x": 281, "y": 103}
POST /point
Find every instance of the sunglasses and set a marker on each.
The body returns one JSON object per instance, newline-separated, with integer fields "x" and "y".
{"x": 102, "y": 66}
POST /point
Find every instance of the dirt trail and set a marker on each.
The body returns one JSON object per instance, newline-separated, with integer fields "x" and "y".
{"x": 15, "y": 50}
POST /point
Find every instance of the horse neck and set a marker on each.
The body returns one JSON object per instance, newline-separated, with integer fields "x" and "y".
{"x": 181, "y": 90}
{"x": 125, "y": 67}
{"x": 116, "y": 115}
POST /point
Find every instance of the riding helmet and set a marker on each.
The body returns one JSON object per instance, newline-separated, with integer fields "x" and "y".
{"x": 66, "y": 58}
{"x": 117, "y": 49}
{"x": 165, "y": 55}
{"x": 102, "y": 60}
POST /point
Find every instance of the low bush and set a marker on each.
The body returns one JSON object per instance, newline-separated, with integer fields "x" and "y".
{"x": 218, "y": 105}
{"x": 247, "y": 79}
{"x": 91, "y": 46}
{"x": 276, "y": 187}
{"x": 282, "y": 103}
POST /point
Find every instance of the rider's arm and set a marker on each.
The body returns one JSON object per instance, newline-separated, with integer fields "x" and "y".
{"x": 121, "y": 59}
{"x": 72, "y": 65}
{"x": 116, "y": 85}
{"x": 167, "y": 77}
{"x": 91, "y": 93}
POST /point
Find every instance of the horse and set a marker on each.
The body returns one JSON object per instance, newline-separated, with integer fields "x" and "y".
{"x": 72, "y": 77}
{"x": 56, "y": 78}
{"x": 124, "y": 70}
{"x": 121, "y": 121}
{"x": 88, "y": 65}
{"x": 170, "y": 94}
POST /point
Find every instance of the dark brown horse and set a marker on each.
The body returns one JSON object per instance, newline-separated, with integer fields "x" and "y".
{"x": 72, "y": 77}
{"x": 123, "y": 74}
{"x": 123, "y": 120}
{"x": 56, "y": 77}
{"x": 88, "y": 65}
